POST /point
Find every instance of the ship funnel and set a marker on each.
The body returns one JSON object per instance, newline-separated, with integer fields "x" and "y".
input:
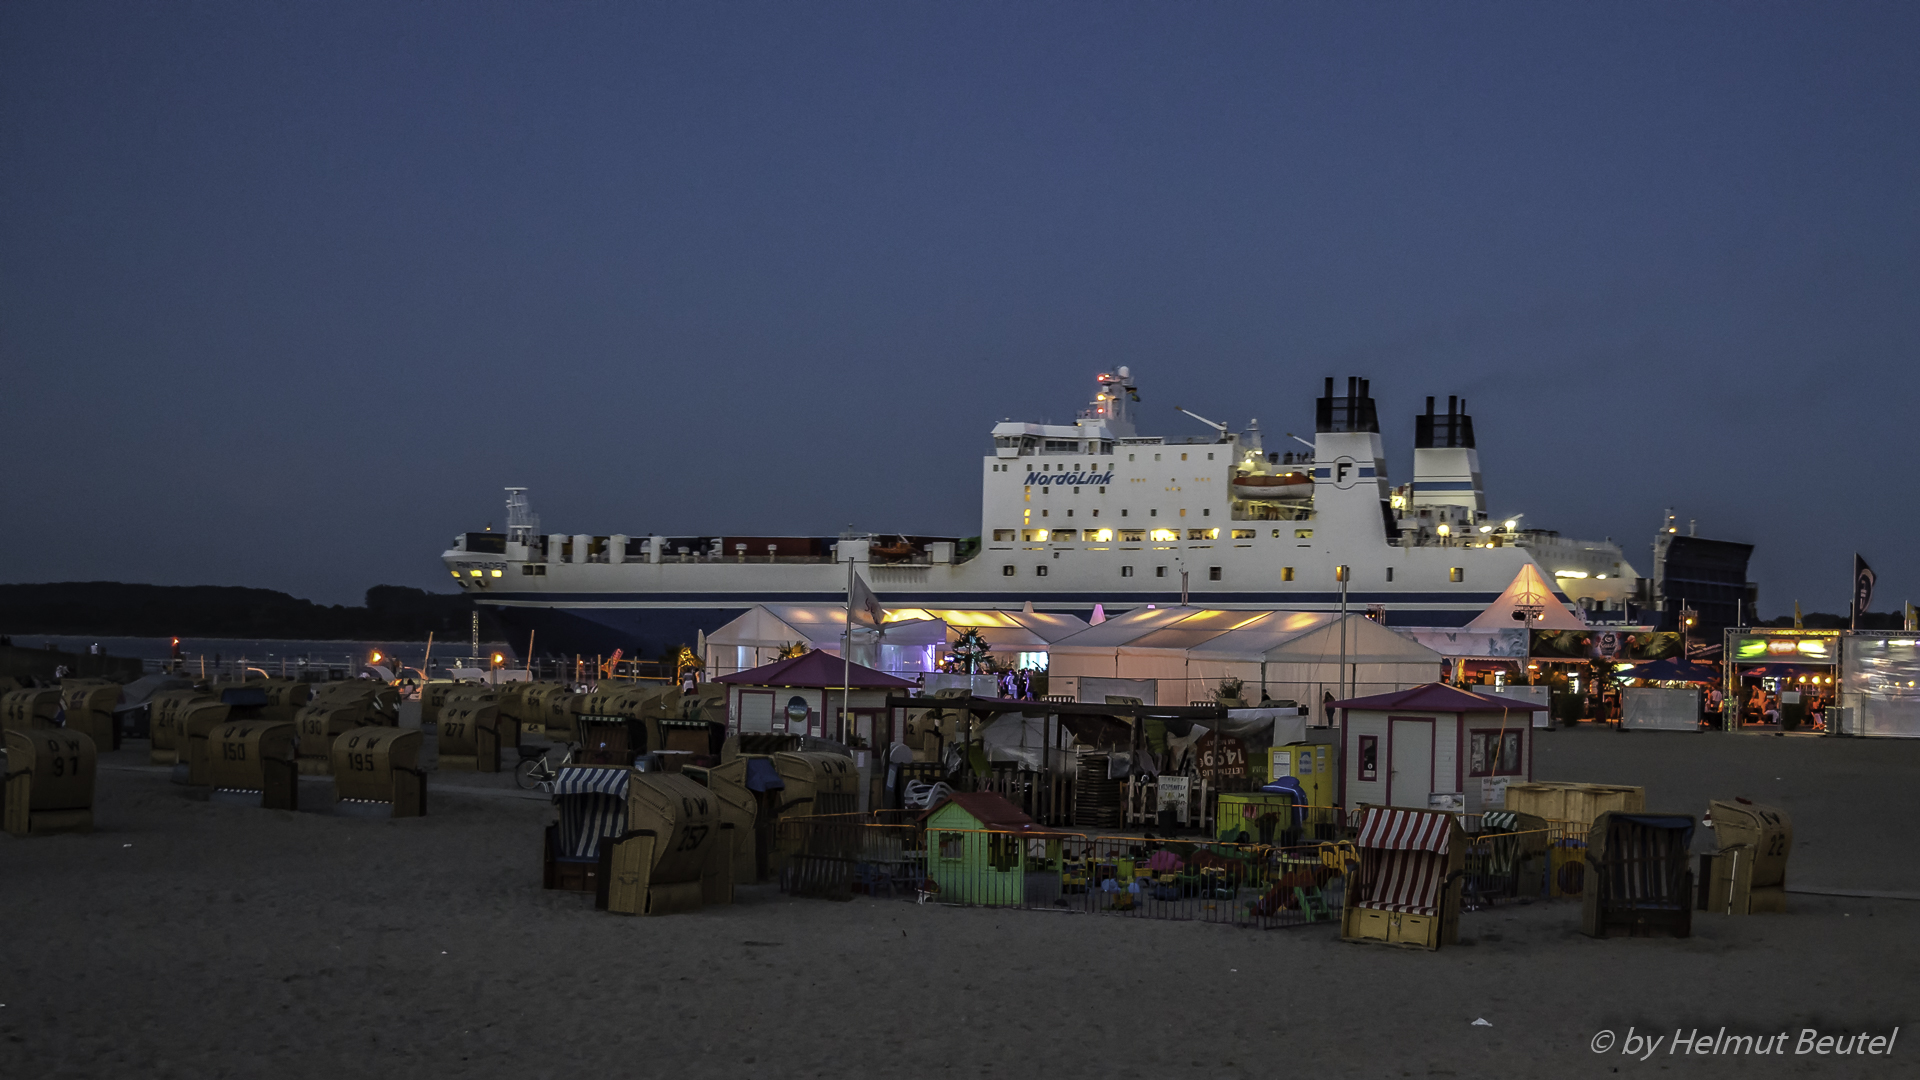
{"x": 1446, "y": 467}
{"x": 1354, "y": 412}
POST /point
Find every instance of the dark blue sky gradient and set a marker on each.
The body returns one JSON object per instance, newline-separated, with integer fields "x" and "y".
{"x": 290, "y": 291}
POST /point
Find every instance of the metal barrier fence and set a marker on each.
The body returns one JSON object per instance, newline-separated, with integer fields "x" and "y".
{"x": 1296, "y": 883}
{"x": 1044, "y": 869}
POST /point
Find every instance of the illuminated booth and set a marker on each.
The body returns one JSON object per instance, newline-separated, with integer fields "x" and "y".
{"x": 1794, "y": 672}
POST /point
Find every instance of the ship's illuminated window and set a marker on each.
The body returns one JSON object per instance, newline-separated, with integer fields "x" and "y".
{"x": 1004, "y": 534}
{"x": 1183, "y": 457}
{"x": 1034, "y": 535}
{"x": 1159, "y": 571}
{"x": 456, "y": 573}
{"x": 475, "y": 573}
{"x": 1126, "y": 571}
{"x": 495, "y": 573}
{"x": 1100, "y": 536}
{"x": 1061, "y": 536}
{"x": 1243, "y": 534}
{"x": 1006, "y": 571}
{"x": 1303, "y": 534}
{"x": 1040, "y": 571}
{"x": 1203, "y": 534}
{"x": 1164, "y": 535}
{"x": 1213, "y": 572}
{"x": 1276, "y": 534}
{"x": 1286, "y": 573}
{"x": 1132, "y": 536}
{"x": 1183, "y": 512}
{"x": 1458, "y": 573}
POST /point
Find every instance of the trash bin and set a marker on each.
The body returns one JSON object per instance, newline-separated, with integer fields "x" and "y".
{"x": 253, "y": 763}
{"x": 675, "y": 854}
{"x": 376, "y": 773}
{"x": 49, "y": 781}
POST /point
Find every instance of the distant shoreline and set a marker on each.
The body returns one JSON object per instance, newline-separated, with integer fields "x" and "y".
{"x": 106, "y": 609}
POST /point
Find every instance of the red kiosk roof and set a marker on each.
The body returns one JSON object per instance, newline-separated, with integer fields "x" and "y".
{"x": 1436, "y": 698}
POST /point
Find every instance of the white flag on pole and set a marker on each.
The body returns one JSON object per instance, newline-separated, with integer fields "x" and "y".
{"x": 864, "y": 605}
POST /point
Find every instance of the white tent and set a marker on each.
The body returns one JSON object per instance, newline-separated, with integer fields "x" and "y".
{"x": 1187, "y": 651}
{"x": 1528, "y": 602}
{"x": 910, "y": 640}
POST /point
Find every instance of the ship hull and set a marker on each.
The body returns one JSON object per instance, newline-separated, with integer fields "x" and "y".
{"x": 595, "y": 624}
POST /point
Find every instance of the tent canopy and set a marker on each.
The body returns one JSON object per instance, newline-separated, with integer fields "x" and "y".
{"x": 1224, "y": 634}
{"x": 817, "y": 670}
{"x": 1674, "y": 669}
{"x": 1528, "y": 601}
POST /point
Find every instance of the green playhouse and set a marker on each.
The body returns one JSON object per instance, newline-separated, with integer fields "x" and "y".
{"x": 981, "y": 849}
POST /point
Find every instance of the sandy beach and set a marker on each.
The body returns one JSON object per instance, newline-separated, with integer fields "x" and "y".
{"x": 187, "y": 939}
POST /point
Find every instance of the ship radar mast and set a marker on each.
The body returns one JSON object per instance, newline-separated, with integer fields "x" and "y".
{"x": 522, "y": 523}
{"x": 1114, "y": 397}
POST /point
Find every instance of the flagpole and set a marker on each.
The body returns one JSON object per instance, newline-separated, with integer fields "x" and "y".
{"x": 846, "y": 650}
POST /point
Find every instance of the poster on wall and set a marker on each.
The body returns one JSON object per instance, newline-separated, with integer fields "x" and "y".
{"x": 1222, "y": 755}
{"x": 1173, "y": 792}
{"x": 1493, "y": 792}
{"x": 1604, "y": 645}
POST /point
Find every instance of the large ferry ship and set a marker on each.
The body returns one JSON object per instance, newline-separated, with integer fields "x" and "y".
{"x": 1074, "y": 515}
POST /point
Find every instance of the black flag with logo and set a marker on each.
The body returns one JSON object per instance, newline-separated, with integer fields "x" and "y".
{"x": 1862, "y": 589}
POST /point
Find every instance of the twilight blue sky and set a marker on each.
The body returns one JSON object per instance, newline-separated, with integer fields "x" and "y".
{"x": 289, "y": 291}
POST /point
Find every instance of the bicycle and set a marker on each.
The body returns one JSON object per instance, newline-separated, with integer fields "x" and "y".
{"x": 536, "y": 772}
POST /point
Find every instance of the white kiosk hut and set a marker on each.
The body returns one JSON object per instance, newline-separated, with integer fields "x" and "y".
{"x": 1434, "y": 746}
{"x": 806, "y": 695}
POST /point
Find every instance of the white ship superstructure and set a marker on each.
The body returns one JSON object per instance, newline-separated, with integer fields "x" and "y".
{"x": 1072, "y": 515}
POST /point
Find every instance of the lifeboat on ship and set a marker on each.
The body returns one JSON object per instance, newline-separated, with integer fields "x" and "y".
{"x": 1274, "y": 487}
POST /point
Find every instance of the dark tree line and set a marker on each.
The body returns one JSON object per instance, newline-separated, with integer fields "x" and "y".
{"x": 115, "y": 609}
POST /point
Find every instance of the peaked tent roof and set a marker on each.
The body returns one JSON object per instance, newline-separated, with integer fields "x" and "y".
{"x": 1437, "y": 698}
{"x": 817, "y": 670}
{"x": 1292, "y": 641}
{"x": 1528, "y": 592}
